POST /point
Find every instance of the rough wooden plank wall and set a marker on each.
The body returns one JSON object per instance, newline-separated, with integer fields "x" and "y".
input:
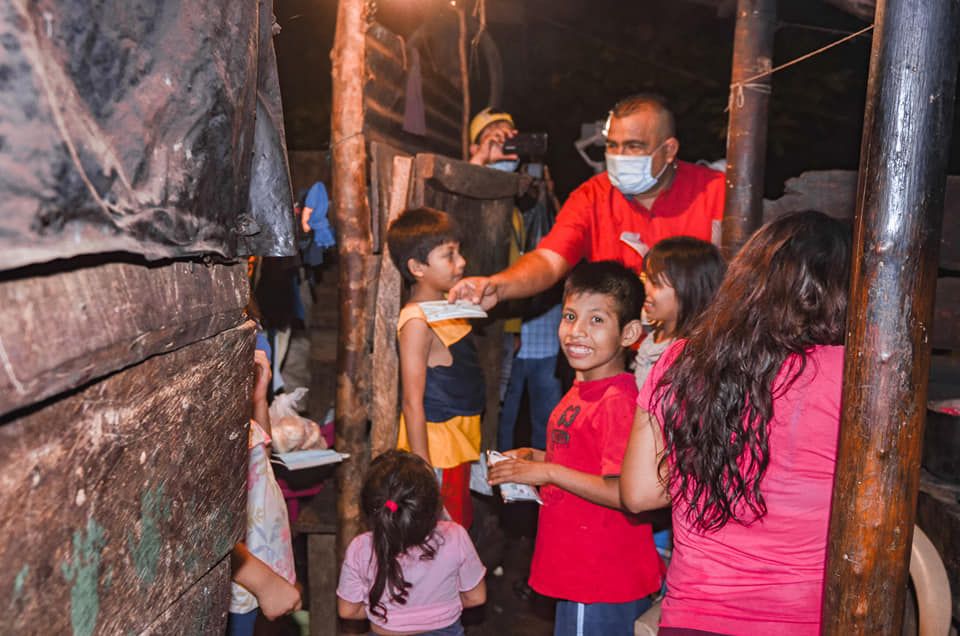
{"x": 59, "y": 330}
{"x": 119, "y": 497}
{"x": 202, "y": 609}
{"x": 834, "y": 192}
{"x": 385, "y": 398}
{"x": 385, "y": 93}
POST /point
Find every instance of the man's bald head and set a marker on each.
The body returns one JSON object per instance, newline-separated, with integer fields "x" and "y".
{"x": 648, "y": 102}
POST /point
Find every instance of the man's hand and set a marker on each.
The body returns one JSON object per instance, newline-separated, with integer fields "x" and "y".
{"x": 490, "y": 149}
{"x": 480, "y": 290}
{"x": 520, "y": 471}
{"x": 279, "y": 599}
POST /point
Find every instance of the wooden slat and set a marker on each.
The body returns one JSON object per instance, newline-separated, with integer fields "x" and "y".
{"x": 390, "y": 119}
{"x": 60, "y": 330}
{"x": 466, "y": 179}
{"x": 117, "y": 498}
{"x": 946, "y": 315}
{"x": 385, "y": 398}
{"x": 201, "y": 610}
{"x": 834, "y": 192}
{"x": 384, "y": 52}
{"x": 381, "y": 170}
{"x": 383, "y": 90}
{"x": 322, "y": 569}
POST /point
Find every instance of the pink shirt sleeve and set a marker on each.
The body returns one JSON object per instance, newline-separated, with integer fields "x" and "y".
{"x": 353, "y": 586}
{"x": 570, "y": 235}
{"x": 471, "y": 570}
{"x": 615, "y": 431}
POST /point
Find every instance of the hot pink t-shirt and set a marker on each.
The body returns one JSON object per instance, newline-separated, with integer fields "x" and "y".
{"x": 434, "y": 600}
{"x": 765, "y": 578}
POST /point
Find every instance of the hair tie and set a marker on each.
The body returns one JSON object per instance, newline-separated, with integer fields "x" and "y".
{"x": 390, "y": 505}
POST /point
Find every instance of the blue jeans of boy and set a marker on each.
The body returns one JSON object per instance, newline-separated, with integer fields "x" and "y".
{"x": 598, "y": 619}
{"x": 539, "y": 376}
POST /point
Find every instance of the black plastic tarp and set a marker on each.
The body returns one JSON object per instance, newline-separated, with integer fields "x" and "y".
{"x": 129, "y": 125}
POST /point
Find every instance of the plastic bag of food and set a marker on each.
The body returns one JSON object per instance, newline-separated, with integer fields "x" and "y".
{"x": 289, "y": 430}
{"x": 509, "y": 491}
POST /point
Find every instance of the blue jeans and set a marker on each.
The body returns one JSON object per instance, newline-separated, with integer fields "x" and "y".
{"x": 242, "y": 624}
{"x": 450, "y": 630}
{"x": 539, "y": 375}
{"x": 598, "y": 619}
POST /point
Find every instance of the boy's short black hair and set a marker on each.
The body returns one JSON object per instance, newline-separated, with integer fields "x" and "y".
{"x": 612, "y": 279}
{"x": 415, "y": 233}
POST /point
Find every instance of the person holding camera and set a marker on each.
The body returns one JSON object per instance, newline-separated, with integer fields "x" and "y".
{"x": 645, "y": 195}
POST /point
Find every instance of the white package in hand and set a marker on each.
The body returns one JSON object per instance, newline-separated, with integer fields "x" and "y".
{"x": 437, "y": 310}
{"x": 512, "y": 492}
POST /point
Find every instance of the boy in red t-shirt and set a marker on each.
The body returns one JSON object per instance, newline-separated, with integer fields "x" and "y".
{"x": 599, "y": 561}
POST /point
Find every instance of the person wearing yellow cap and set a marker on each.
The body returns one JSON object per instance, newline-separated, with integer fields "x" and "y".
{"x": 489, "y": 129}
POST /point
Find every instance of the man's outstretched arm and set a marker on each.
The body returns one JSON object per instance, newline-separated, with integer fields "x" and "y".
{"x": 533, "y": 273}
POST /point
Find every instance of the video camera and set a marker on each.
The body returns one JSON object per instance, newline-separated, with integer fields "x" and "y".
{"x": 527, "y": 146}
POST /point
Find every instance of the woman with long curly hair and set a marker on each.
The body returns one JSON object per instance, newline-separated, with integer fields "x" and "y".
{"x": 737, "y": 427}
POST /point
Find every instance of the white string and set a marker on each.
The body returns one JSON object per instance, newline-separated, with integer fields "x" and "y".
{"x": 750, "y": 83}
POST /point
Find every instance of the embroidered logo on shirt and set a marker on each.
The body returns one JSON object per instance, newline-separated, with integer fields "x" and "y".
{"x": 560, "y": 435}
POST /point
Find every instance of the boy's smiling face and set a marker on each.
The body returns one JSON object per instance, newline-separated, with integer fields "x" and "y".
{"x": 591, "y": 336}
{"x": 443, "y": 269}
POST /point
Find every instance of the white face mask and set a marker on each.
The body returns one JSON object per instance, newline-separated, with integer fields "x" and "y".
{"x": 504, "y": 165}
{"x": 631, "y": 174}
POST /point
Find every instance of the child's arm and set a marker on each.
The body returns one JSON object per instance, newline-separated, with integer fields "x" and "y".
{"x": 594, "y": 488}
{"x": 642, "y": 484}
{"x": 476, "y": 596}
{"x": 261, "y": 382}
{"x": 351, "y": 611}
{"x": 275, "y": 595}
{"x": 415, "y": 339}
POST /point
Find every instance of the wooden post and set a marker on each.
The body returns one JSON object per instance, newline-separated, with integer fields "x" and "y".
{"x": 747, "y": 128}
{"x": 386, "y": 368}
{"x": 907, "y": 126}
{"x": 351, "y": 214}
{"x": 464, "y": 80}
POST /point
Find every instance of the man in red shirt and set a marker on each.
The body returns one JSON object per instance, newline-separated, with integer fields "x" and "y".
{"x": 645, "y": 195}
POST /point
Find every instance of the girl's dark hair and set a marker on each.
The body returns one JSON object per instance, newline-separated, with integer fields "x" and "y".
{"x": 415, "y": 233}
{"x": 608, "y": 278}
{"x": 400, "y": 502}
{"x": 693, "y": 268}
{"x": 785, "y": 292}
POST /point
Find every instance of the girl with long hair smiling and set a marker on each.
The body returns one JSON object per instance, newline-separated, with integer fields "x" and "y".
{"x": 737, "y": 427}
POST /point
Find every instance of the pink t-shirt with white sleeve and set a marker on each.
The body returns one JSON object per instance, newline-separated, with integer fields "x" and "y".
{"x": 765, "y": 577}
{"x": 433, "y": 602}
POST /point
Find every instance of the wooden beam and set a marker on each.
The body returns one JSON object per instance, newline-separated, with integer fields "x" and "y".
{"x": 351, "y": 215}
{"x": 143, "y": 309}
{"x": 747, "y": 128}
{"x": 386, "y": 370}
{"x": 466, "y": 179}
{"x": 907, "y": 127}
{"x": 201, "y": 610}
{"x": 117, "y": 498}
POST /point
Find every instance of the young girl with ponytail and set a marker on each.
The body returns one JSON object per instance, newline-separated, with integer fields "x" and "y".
{"x": 411, "y": 573}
